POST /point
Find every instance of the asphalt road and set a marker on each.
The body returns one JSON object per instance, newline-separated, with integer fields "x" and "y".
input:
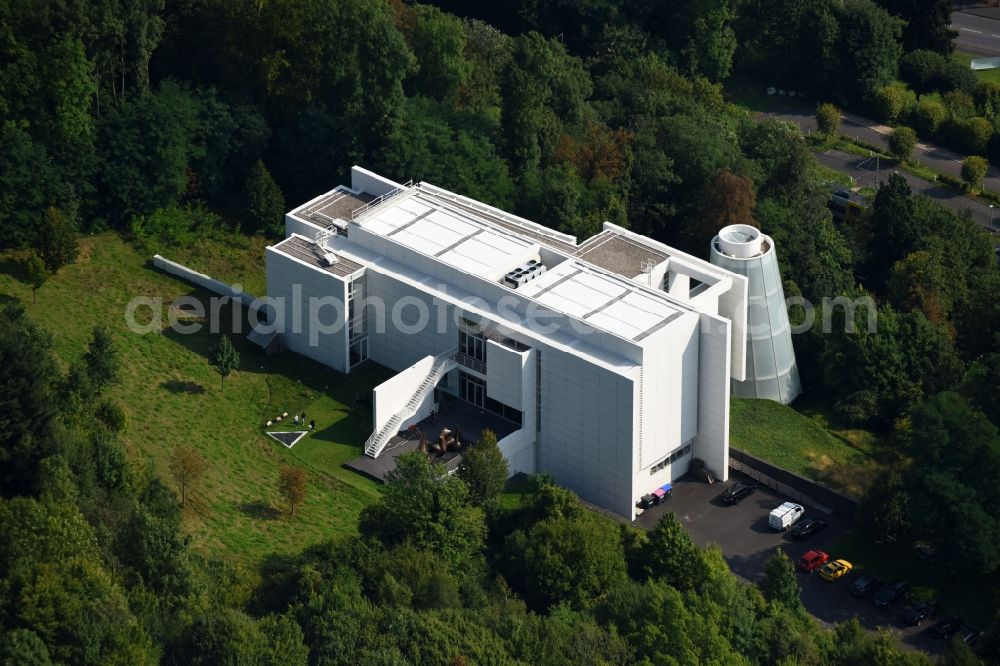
{"x": 866, "y": 172}
{"x": 976, "y": 34}
{"x": 935, "y": 157}
{"x": 747, "y": 543}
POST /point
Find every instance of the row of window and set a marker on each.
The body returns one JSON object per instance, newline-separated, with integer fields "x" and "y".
{"x": 672, "y": 457}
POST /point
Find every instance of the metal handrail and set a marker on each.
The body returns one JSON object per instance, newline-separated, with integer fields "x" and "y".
{"x": 378, "y": 440}
{"x": 381, "y": 199}
{"x": 778, "y": 486}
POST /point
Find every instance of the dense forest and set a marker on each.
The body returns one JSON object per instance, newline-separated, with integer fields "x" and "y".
{"x": 147, "y": 117}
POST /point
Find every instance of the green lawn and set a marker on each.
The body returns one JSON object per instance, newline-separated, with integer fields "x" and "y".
{"x": 173, "y": 397}
{"x": 802, "y": 444}
{"x": 982, "y": 74}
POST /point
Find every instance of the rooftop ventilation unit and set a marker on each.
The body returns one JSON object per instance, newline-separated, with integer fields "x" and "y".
{"x": 523, "y": 273}
{"x": 771, "y": 369}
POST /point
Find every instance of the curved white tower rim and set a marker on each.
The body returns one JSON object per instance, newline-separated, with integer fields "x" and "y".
{"x": 771, "y": 369}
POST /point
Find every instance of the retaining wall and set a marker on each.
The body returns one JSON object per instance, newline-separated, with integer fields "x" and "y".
{"x": 203, "y": 281}
{"x": 843, "y": 505}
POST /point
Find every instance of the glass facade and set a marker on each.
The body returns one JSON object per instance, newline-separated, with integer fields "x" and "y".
{"x": 770, "y": 359}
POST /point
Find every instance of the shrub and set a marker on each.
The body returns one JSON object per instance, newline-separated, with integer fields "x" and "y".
{"x": 973, "y": 135}
{"x": 927, "y": 71}
{"x": 973, "y": 170}
{"x": 959, "y": 104}
{"x": 891, "y": 102}
{"x": 828, "y": 119}
{"x": 901, "y": 142}
{"x": 930, "y": 113}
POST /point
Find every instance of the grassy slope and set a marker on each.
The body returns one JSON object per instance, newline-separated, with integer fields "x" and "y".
{"x": 801, "y": 444}
{"x": 235, "y": 510}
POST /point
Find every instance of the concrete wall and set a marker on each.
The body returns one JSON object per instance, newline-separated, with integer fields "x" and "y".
{"x": 586, "y": 437}
{"x": 844, "y": 505}
{"x": 293, "y": 282}
{"x": 669, "y": 389}
{"x": 392, "y": 395}
{"x": 519, "y": 449}
{"x": 294, "y": 225}
{"x": 363, "y": 180}
{"x": 505, "y": 370}
{"x": 712, "y": 442}
{"x": 202, "y": 280}
{"x": 399, "y": 344}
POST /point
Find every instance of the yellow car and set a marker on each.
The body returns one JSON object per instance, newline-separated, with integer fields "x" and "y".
{"x": 836, "y": 569}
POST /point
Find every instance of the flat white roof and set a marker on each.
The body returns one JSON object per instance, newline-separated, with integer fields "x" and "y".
{"x": 460, "y": 238}
{"x": 485, "y": 242}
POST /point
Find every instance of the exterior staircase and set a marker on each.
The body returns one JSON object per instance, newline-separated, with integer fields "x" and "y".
{"x": 443, "y": 363}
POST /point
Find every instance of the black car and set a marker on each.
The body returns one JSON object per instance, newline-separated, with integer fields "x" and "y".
{"x": 735, "y": 493}
{"x": 946, "y": 628}
{"x": 863, "y": 586}
{"x": 916, "y": 613}
{"x": 807, "y": 527}
{"x": 970, "y": 635}
{"x": 890, "y": 593}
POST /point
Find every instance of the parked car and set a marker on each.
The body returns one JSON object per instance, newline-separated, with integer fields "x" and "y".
{"x": 737, "y": 492}
{"x": 807, "y": 527}
{"x": 831, "y": 571}
{"x": 812, "y": 560}
{"x": 970, "y": 635}
{"x": 946, "y": 628}
{"x": 864, "y": 585}
{"x": 890, "y": 593}
{"x": 785, "y": 516}
{"x": 916, "y": 613}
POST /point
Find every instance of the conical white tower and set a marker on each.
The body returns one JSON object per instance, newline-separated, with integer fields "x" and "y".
{"x": 771, "y": 369}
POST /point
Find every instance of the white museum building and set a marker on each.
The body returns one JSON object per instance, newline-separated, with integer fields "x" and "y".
{"x": 609, "y": 363}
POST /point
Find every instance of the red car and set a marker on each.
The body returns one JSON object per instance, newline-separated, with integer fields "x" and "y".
{"x": 812, "y": 560}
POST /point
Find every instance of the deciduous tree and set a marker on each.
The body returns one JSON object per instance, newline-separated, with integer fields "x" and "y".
{"x": 56, "y": 239}
{"x": 265, "y": 203}
{"x": 827, "y": 119}
{"x": 224, "y": 358}
{"x": 187, "y": 466}
{"x": 292, "y": 486}
{"x": 35, "y": 273}
{"x": 102, "y": 359}
{"x": 780, "y": 582}
{"x": 484, "y": 469}
{"x": 973, "y": 170}
{"x": 901, "y": 142}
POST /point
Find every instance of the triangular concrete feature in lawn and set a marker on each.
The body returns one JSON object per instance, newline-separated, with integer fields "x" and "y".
{"x": 289, "y": 439}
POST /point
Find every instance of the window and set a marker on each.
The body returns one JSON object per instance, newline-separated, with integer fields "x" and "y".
{"x": 670, "y": 458}
{"x": 471, "y": 389}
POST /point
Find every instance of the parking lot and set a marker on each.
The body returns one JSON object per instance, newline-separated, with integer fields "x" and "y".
{"x": 741, "y": 531}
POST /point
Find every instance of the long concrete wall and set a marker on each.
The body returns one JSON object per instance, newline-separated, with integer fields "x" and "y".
{"x": 392, "y": 395}
{"x": 201, "y": 280}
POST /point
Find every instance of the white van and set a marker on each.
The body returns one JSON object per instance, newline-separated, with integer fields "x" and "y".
{"x": 785, "y": 516}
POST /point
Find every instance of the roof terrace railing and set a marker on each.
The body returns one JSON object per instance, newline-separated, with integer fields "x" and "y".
{"x": 379, "y": 200}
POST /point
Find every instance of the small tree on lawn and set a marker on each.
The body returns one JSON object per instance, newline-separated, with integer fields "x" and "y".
{"x": 187, "y": 466}
{"x": 265, "y": 203}
{"x": 35, "y": 273}
{"x": 56, "y": 239}
{"x": 973, "y": 170}
{"x": 292, "y": 485}
{"x": 484, "y": 469}
{"x": 901, "y": 142}
{"x": 224, "y": 358}
{"x": 828, "y": 119}
{"x": 102, "y": 359}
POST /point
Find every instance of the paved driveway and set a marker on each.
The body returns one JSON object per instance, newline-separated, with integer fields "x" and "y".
{"x": 747, "y": 543}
